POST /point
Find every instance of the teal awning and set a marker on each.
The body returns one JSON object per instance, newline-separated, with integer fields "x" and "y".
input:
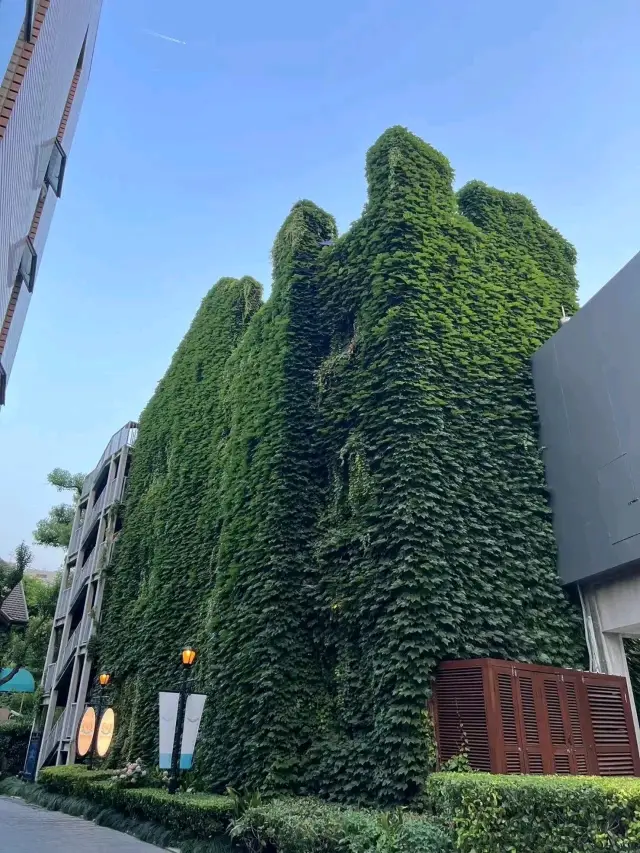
{"x": 22, "y": 682}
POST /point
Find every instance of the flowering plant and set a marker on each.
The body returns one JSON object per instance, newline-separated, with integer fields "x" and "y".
{"x": 131, "y": 775}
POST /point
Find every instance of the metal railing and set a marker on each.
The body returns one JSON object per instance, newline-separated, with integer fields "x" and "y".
{"x": 83, "y": 573}
{"x": 67, "y": 652}
{"x": 76, "y": 537}
{"x": 97, "y": 508}
{"x": 85, "y": 631}
{"x": 69, "y": 721}
{"x": 126, "y": 436}
{"x": 63, "y": 602}
{"x": 48, "y": 677}
{"x": 54, "y": 738}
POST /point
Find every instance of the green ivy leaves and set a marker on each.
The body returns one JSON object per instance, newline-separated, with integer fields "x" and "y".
{"x": 335, "y": 490}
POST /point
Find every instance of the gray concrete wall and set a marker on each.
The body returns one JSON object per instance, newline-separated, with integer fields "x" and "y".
{"x": 587, "y": 380}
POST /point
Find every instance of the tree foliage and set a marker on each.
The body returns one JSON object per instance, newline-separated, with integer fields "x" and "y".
{"x": 41, "y": 601}
{"x": 12, "y": 573}
{"x": 26, "y": 645}
{"x": 335, "y": 491}
{"x": 54, "y": 531}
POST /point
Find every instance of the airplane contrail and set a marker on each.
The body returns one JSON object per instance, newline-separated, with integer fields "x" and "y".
{"x": 166, "y": 38}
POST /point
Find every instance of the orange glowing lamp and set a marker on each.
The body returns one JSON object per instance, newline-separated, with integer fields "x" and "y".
{"x": 188, "y": 656}
{"x": 104, "y": 678}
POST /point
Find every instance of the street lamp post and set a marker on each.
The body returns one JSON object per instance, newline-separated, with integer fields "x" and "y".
{"x": 188, "y": 660}
{"x": 104, "y": 680}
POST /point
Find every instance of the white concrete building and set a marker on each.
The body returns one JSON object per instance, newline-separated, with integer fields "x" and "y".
{"x": 69, "y": 670}
{"x": 46, "y": 47}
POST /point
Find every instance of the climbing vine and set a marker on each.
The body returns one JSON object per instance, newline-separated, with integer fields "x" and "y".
{"x": 337, "y": 489}
{"x": 162, "y": 568}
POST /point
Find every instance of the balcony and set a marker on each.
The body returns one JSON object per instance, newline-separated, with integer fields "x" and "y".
{"x": 69, "y": 725}
{"x": 67, "y": 653}
{"x": 49, "y": 675}
{"x": 125, "y": 437}
{"x": 51, "y": 743}
{"x": 63, "y": 603}
{"x": 86, "y": 631}
{"x": 83, "y": 573}
{"x": 76, "y": 537}
{"x": 97, "y": 508}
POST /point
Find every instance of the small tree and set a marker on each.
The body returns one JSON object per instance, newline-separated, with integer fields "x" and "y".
{"x": 12, "y": 573}
{"x": 54, "y": 531}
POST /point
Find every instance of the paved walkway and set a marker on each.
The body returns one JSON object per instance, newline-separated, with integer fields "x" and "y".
{"x": 28, "y": 829}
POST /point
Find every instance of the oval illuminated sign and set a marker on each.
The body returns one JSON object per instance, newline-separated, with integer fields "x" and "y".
{"x": 86, "y": 732}
{"x": 105, "y": 732}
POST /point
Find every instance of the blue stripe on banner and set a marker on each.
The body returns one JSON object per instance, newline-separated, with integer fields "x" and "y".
{"x": 165, "y": 761}
{"x": 186, "y": 760}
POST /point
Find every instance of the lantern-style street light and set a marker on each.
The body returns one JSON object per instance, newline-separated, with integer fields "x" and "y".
{"x": 104, "y": 679}
{"x": 188, "y": 657}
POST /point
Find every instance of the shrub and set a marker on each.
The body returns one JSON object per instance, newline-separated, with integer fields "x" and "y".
{"x": 311, "y": 826}
{"x": 537, "y": 814}
{"x": 288, "y": 825}
{"x": 14, "y": 740}
{"x": 71, "y": 780}
{"x": 418, "y": 835}
{"x": 199, "y": 815}
{"x": 132, "y": 775}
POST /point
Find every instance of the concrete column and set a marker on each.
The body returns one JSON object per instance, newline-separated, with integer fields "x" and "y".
{"x": 81, "y": 700}
{"x": 48, "y": 723}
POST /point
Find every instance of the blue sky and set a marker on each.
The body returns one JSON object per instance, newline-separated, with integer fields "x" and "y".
{"x": 188, "y": 157}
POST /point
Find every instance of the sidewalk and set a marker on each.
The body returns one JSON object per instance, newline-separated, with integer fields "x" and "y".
{"x": 28, "y": 829}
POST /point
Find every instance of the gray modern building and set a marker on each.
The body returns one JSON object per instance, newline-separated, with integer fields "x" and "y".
{"x": 587, "y": 380}
{"x": 69, "y": 668}
{"x": 46, "y": 48}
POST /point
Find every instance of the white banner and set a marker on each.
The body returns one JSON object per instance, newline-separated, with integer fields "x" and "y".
{"x": 193, "y": 715}
{"x": 168, "y": 717}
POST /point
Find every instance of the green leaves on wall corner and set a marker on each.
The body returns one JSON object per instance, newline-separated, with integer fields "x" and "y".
{"x": 336, "y": 489}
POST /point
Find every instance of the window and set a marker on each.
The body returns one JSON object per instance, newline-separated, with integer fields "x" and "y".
{"x": 27, "y": 268}
{"x": 3, "y": 384}
{"x": 55, "y": 169}
{"x": 28, "y": 19}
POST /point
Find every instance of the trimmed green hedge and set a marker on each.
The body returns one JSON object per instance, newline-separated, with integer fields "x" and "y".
{"x": 200, "y": 815}
{"x": 537, "y": 814}
{"x": 287, "y": 825}
{"x": 469, "y": 813}
{"x": 14, "y": 740}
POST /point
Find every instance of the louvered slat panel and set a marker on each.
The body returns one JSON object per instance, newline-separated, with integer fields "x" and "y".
{"x": 616, "y": 764}
{"x": 608, "y": 716}
{"x": 554, "y": 712}
{"x": 611, "y": 724}
{"x": 535, "y": 763}
{"x": 461, "y": 713}
{"x": 581, "y": 764}
{"x": 574, "y": 714}
{"x": 561, "y": 764}
{"x": 513, "y": 762}
{"x": 507, "y": 708}
{"x": 529, "y": 709}
{"x": 535, "y": 719}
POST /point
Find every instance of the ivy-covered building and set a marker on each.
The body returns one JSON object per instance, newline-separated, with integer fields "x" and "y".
{"x": 337, "y": 488}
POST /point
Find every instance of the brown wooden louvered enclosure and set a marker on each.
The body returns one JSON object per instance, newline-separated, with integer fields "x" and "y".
{"x": 520, "y": 718}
